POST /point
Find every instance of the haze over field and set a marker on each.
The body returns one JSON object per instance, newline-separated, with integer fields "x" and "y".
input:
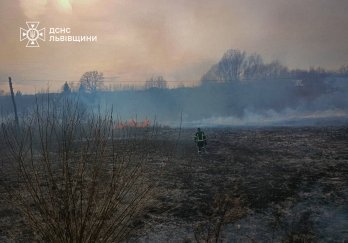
{"x": 177, "y": 39}
{"x": 173, "y": 120}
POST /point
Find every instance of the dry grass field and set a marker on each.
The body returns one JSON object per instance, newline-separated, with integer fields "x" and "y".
{"x": 282, "y": 184}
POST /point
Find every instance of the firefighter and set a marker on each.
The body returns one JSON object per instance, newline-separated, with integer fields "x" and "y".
{"x": 200, "y": 140}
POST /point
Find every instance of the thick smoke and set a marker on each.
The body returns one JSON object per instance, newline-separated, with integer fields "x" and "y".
{"x": 239, "y": 90}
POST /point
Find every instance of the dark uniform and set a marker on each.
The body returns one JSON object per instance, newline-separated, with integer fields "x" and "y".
{"x": 201, "y": 140}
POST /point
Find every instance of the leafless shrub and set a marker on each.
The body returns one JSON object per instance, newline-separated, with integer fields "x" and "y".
{"x": 74, "y": 184}
{"x": 225, "y": 209}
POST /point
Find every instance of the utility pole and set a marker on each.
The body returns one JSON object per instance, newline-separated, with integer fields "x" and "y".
{"x": 13, "y": 101}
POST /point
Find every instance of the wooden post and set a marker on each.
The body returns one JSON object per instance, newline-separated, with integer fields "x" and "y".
{"x": 13, "y": 101}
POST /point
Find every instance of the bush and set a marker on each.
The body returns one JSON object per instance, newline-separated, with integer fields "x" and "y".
{"x": 74, "y": 184}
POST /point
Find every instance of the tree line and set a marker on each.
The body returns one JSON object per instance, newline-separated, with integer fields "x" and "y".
{"x": 234, "y": 66}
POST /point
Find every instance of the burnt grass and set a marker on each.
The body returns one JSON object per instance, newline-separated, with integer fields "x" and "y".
{"x": 292, "y": 182}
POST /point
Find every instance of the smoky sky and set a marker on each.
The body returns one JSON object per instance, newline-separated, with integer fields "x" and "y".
{"x": 177, "y": 39}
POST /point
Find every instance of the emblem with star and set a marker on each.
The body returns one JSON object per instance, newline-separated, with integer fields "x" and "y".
{"x": 32, "y": 34}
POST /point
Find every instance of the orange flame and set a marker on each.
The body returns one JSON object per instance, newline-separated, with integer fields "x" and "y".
{"x": 133, "y": 123}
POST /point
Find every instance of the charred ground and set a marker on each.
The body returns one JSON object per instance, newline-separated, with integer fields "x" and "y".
{"x": 290, "y": 182}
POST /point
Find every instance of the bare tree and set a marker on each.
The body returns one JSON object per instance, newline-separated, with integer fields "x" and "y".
{"x": 343, "y": 70}
{"x": 230, "y": 67}
{"x": 235, "y": 65}
{"x": 156, "y": 82}
{"x": 274, "y": 70}
{"x": 18, "y": 93}
{"x": 66, "y": 88}
{"x": 91, "y": 81}
{"x": 252, "y": 66}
